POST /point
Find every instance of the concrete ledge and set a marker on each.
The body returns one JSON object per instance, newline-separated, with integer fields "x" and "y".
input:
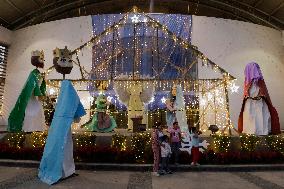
{"x": 148, "y": 167}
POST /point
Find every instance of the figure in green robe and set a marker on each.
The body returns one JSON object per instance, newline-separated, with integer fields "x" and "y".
{"x": 101, "y": 121}
{"x": 27, "y": 114}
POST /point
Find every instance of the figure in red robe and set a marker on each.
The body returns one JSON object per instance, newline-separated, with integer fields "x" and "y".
{"x": 258, "y": 116}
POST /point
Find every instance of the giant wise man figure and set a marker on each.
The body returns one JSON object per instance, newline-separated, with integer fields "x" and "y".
{"x": 27, "y": 114}
{"x": 57, "y": 161}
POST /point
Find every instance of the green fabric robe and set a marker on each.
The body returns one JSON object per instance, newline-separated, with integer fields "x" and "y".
{"x": 99, "y": 125}
{"x": 31, "y": 87}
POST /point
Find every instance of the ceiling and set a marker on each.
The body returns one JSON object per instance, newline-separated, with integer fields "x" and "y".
{"x": 16, "y": 14}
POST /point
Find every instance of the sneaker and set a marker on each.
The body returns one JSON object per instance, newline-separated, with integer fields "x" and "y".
{"x": 155, "y": 174}
{"x": 169, "y": 172}
{"x": 162, "y": 172}
{"x": 193, "y": 164}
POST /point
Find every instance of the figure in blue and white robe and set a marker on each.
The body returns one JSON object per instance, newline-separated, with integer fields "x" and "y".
{"x": 171, "y": 112}
{"x": 57, "y": 161}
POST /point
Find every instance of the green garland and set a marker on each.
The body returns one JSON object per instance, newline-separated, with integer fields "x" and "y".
{"x": 15, "y": 139}
{"x": 119, "y": 142}
{"x": 221, "y": 143}
{"x": 275, "y": 142}
{"x": 38, "y": 139}
{"x": 141, "y": 146}
{"x": 249, "y": 142}
{"x": 85, "y": 139}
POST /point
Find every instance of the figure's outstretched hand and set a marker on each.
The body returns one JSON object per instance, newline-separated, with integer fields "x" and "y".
{"x": 41, "y": 98}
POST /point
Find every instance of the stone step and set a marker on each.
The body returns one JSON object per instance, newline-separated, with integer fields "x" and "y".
{"x": 148, "y": 167}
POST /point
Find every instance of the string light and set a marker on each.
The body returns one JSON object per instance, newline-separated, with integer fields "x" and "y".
{"x": 102, "y": 60}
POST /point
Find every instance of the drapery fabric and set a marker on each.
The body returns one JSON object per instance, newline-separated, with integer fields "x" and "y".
{"x": 254, "y": 117}
{"x": 30, "y": 89}
{"x": 57, "y": 160}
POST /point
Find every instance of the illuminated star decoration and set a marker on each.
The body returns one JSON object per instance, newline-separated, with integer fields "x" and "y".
{"x": 163, "y": 100}
{"x": 234, "y": 88}
{"x": 145, "y": 20}
{"x": 135, "y": 18}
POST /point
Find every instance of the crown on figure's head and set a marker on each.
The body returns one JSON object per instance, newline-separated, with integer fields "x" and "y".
{"x": 102, "y": 85}
{"x": 62, "y": 52}
{"x": 38, "y": 53}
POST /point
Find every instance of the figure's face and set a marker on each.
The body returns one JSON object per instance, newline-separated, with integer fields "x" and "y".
{"x": 175, "y": 125}
{"x": 41, "y": 58}
{"x": 37, "y": 59}
{"x": 174, "y": 91}
{"x": 63, "y": 60}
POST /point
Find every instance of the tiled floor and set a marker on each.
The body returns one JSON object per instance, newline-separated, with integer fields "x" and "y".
{"x": 26, "y": 178}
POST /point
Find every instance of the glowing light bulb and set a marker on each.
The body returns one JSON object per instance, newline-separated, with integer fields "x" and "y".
{"x": 51, "y": 91}
{"x": 202, "y": 102}
{"x": 209, "y": 96}
{"x": 109, "y": 98}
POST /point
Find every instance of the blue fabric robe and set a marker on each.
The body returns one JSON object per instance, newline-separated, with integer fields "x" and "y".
{"x": 171, "y": 116}
{"x": 67, "y": 109}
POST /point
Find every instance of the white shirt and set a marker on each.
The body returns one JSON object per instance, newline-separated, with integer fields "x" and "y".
{"x": 165, "y": 149}
{"x": 160, "y": 134}
{"x": 195, "y": 140}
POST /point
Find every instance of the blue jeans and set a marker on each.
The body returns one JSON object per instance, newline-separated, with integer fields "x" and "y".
{"x": 175, "y": 150}
{"x": 165, "y": 163}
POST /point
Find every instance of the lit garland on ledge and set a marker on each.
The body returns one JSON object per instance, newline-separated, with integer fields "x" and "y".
{"x": 249, "y": 142}
{"x": 84, "y": 139}
{"x": 140, "y": 144}
{"x": 221, "y": 143}
{"x": 15, "y": 139}
{"x": 119, "y": 142}
{"x": 38, "y": 139}
{"x": 275, "y": 142}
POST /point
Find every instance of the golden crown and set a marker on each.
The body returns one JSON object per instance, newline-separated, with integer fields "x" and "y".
{"x": 38, "y": 53}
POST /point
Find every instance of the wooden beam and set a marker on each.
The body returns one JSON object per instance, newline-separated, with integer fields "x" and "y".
{"x": 14, "y": 6}
{"x": 36, "y": 3}
{"x": 277, "y": 8}
{"x": 6, "y": 22}
{"x": 257, "y": 3}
